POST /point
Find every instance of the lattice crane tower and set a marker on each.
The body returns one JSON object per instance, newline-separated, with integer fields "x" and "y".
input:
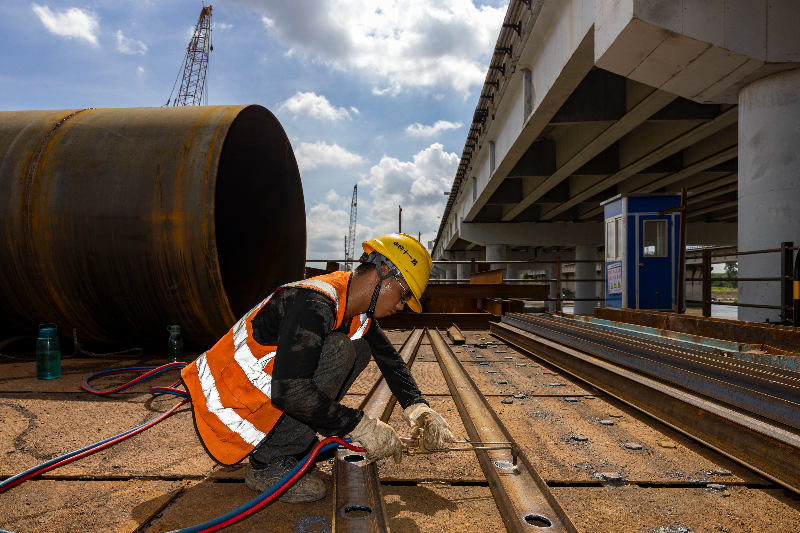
{"x": 350, "y": 239}
{"x": 195, "y": 63}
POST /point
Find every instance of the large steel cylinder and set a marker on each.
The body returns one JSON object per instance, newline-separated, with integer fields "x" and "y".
{"x": 119, "y": 222}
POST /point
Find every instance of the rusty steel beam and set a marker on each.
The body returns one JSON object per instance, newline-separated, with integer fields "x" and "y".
{"x": 522, "y": 496}
{"x": 438, "y": 320}
{"x": 769, "y": 449}
{"x": 358, "y": 503}
{"x": 489, "y": 290}
{"x": 118, "y": 222}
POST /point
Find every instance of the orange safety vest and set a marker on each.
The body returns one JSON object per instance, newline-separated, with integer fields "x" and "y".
{"x": 230, "y": 384}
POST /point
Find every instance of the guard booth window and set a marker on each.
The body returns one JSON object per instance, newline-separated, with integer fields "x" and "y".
{"x": 655, "y": 238}
{"x": 613, "y": 238}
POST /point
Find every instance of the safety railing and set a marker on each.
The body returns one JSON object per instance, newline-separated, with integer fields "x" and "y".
{"x": 789, "y": 281}
{"x": 559, "y": 300}
{"x": 475, "y": 266}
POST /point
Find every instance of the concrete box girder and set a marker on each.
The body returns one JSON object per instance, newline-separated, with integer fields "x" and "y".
{"x": 701, "y": 50}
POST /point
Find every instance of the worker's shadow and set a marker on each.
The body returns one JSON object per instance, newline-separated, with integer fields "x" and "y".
{"x": 417, "y": 500}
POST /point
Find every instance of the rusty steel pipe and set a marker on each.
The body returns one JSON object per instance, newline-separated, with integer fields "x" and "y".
{"x": 358, "y": 503}
{"x": 120, "y": 221}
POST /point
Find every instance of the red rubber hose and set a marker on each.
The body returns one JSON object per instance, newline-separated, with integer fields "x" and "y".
{"x": 278, "y": 492}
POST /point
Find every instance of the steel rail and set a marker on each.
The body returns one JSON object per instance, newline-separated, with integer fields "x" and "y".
{"x": 771, "y": 396}
{"x": 358, "y": 503}
{"x": 522, "y": 496}
{"x": 764, "y": 447}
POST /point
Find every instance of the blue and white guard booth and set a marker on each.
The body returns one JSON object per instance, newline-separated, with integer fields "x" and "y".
{"x": 641, "y": 250}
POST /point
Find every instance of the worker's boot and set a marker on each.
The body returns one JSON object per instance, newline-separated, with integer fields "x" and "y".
{"x": 306, "y": 489}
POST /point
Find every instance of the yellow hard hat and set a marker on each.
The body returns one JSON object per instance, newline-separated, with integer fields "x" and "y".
{"x": 411, "y": 259}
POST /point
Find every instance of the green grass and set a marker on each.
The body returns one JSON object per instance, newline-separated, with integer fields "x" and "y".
{"x": 723, "y": 289}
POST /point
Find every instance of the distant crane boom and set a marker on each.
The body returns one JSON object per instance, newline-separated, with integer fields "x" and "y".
{"x": 350, "y": 239}
{"x": 195, "y": 63}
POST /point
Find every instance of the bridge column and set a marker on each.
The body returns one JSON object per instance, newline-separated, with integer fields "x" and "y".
{"x": 450, "y": 274}
{"x": 512, "y": 271}
{"x": 462, "y": 272}
{"x": 551, "y": 274}
{"x": 769, "y": 185}
{"x": 496, "y": 252}
{"x": 585, "y": 289}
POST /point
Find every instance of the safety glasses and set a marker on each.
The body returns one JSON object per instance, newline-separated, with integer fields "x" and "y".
{"x": 406, "y": 291}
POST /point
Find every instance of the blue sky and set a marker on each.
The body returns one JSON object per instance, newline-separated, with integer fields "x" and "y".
{"x": 375, "y": 93}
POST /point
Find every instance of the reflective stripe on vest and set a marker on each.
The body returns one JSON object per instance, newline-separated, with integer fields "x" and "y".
{"x": 233, "y": 411}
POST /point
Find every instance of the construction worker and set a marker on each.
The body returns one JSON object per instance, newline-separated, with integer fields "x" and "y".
{"x": 276, "y": 378}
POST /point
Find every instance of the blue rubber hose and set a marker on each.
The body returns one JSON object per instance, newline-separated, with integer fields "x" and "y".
{"x": 263, "y": 496}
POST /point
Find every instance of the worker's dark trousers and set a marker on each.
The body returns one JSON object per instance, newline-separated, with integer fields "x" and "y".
{"x": 340, "y": 363}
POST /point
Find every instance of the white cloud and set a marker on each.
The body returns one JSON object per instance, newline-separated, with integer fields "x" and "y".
{"x": 71, "y": 23}
{"x": 406, "y": 43}
{"x": 312, "y": 155}
{"x": 315, "y": 106}
{"x": 222, "y": 26}
{"x": 418, "y": 130}
{"x": 326, "y": 228}
{"x": 141, "y": 71}
{"x": 332, "y": 197}
{"x": 416, "y": 185}
{"x": 127, "y": 45}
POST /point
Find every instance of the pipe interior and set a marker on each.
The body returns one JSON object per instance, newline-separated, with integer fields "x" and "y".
{"x": 259, "y": 210}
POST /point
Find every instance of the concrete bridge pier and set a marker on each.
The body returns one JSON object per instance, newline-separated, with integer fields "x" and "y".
{"x": 585, "y": 289}
{"x": 462, "y": 272}
{"x": 769, "y": 185}
{"x": 496, "y": 252}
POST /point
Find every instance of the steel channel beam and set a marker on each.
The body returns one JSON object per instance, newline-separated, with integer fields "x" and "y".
{"x": 525, "y": 501}
{"x": 767, "y": 449}
{"x": 720, "y": 353}
{"x": 773, "y": 381}
{"x": 357, "y": 488}
{"x": 756, "y": 394}
{"x": 660, "y": 344}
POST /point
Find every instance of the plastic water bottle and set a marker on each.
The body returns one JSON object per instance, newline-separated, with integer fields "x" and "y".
{"x": 175, "y": 345}
{"x": 48, "y": 353}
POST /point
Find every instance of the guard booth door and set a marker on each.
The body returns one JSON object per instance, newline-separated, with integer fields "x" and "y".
{"x": 655, "y": 261}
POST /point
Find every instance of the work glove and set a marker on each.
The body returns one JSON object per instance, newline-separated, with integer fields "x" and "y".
{"x": 436, "y": 430}
{"x": 378, "y": 439}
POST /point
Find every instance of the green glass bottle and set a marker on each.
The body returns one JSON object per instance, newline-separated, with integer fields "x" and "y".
{"x": 174, "y": 345}
{"x": 48, "y": 353}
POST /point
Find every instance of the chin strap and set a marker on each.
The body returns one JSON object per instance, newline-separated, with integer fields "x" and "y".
{"x": 378, "y": 260}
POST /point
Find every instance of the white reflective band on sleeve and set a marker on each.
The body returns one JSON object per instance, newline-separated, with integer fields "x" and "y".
{"x": 252, "y": 367}
{"x": 226, "y": 415}
{"x": 362, "y": 328}
{"x": 327, "y": 288}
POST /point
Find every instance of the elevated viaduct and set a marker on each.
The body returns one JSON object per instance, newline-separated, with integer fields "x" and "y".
{"x": 587, "y": 99}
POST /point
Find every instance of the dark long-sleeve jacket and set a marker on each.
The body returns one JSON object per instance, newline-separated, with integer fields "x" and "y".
{"x": 297, "y": 320}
